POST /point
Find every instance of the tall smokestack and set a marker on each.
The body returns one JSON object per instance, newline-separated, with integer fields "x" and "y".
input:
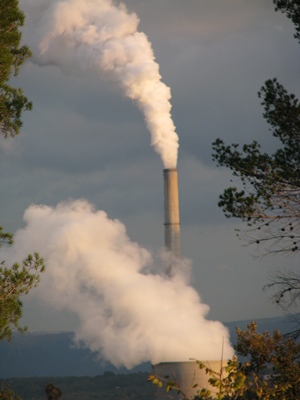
{"x": 172, "y": 220}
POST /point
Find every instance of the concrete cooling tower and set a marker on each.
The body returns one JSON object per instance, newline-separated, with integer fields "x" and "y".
{"x": 185, "y": 374}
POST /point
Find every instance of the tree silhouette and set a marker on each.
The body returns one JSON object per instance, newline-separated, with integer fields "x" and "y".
{"x": 53, "y": 392}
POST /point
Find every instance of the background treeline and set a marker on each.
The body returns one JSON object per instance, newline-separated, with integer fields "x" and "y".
{"x": 39, "y": 355}
{"x": 107, "y": 386}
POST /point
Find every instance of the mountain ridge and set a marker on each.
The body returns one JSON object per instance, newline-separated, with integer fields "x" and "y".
{"x": 38, "y": 354}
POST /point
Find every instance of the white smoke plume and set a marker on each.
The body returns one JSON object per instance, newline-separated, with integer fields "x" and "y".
{"x": 102, "y": 35}
{"x": 129, "y": 313}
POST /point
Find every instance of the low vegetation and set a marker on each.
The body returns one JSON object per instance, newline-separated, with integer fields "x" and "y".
{"x": 108, "y": 386}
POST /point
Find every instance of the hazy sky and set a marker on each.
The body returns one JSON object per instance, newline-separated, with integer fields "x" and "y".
{"x": 85, "y": 139}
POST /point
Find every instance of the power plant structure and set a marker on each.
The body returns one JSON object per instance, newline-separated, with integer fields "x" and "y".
{"x": 184, "y": 373}
{"x": 188, "y": 377}
{"x": 171, "y": 208}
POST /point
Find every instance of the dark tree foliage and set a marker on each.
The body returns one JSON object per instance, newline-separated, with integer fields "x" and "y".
{"x": 7, "y": 394}
{"x": 5, "y": 237}
{"x": 268, "y": 194}
{"x": 270, "y": 198}
{"x": 292, "y": 10}
{"x": 12, "y": 56}
{"x": 14, "y": 283}
{"x": 17, "y": 280}
{"x": 287, "y": 287}
{"x": 109, "y": 386}
{"x": 53, "y": 392}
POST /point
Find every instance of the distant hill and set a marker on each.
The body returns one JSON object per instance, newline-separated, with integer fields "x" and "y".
{"x": 54, "y": 354}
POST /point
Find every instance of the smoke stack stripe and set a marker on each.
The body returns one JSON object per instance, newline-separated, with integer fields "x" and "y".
{"x": 171, "y": 207}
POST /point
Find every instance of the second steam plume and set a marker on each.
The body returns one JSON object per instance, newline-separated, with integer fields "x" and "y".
{"x": 101, "y": 35}
{"x": 128, "y": 310}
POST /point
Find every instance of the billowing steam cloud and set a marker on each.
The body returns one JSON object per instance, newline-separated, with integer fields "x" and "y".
{"x": 101, "y": 35}
{"x": 128, "y": 312}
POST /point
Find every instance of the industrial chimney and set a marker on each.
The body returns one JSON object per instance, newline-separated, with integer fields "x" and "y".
{"x": 186, "y": 373}
{"x": 172, "y": 220}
